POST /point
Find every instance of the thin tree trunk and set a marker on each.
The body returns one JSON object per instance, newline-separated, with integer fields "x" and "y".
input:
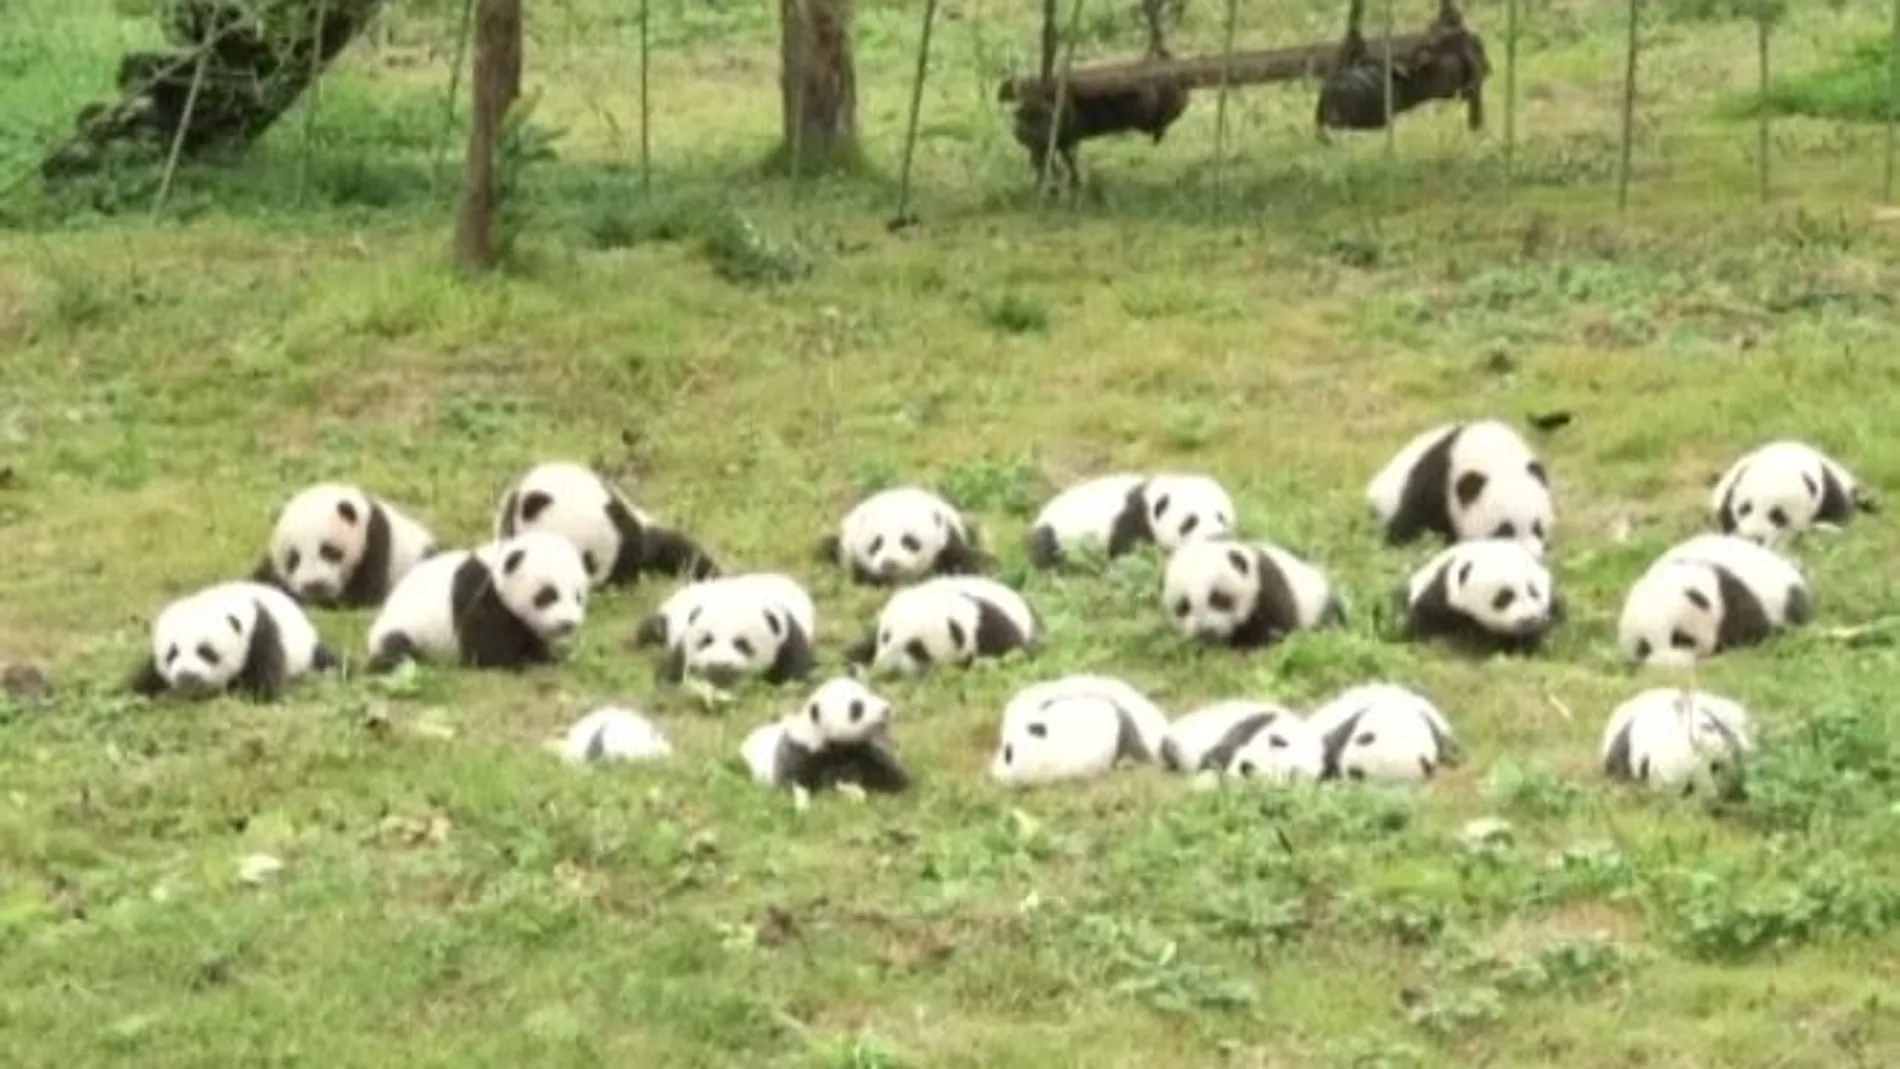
{"x": 496, "y": 83}
{"x": 818, "y": 85}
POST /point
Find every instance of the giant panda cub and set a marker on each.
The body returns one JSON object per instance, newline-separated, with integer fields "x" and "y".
{"x": 1781, "y": 490}
{"x": 901, "y": 535}
{"x": 1383, "y": 732}
{"x": 1073, "y": 728}
{"x": 618, "y": 543}
{"x": 1465, "y": 481}
{"x": 334, "y": 545}
{"x": 842, "y": 734}
{"x": 510, "y": 604}
{"x": 1245, "y": 594}
{"x": 949, "y": 621}
{"x": 1244, "y": 740}
{"x": 724, "y": 630}
{"x": 244, "y": 636}
{"x": 1490, "y": 595}
{"x": 1114, "y": 514}
{"x": 1677, "y": 740}
{"x": 1710, "y": 594}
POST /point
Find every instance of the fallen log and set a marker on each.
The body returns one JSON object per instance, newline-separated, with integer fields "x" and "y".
{"x": 1203, "y": 72}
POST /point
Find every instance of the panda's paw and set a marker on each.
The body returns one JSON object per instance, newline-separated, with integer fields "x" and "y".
{"x": 852, "y": 791}
{"x": 801, "y": 799}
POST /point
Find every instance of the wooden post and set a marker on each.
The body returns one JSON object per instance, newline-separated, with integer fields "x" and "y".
{"x": 496, "y": 83}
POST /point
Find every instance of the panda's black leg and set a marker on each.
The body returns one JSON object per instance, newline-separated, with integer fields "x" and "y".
{"x": 145, "y": 680}
{"x": 395, "y": 649}
{"x": 324, "y": 659}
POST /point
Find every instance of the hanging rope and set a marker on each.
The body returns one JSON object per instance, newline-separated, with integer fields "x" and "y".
{"x": 1228, "y": 33}
{"x": 904, "y": 217}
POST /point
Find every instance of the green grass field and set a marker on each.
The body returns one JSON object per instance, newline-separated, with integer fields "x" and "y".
{"x": 751, "y": 356}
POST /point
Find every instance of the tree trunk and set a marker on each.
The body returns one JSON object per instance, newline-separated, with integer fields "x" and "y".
{"x": 819, "y": 86}
{"x": 496, "y": 83}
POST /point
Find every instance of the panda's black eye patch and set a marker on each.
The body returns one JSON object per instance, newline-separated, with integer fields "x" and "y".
{"x": 910, "y": 543}
{"x": 1039, "y": 730}
{"x": 330, "y": 552}
{"x": 743, "y": 645}
{"x": 691, "y": 616}
{"x": 1537, "y": 529}
{"x": 1246, "y": 768}
{"x": 884, "y": 638}
{"x": 1681, "y": 640}
{"x": 705, "y": 641}
{"x": 914, "y": 649}
{"x": 348, "y": 511}
{"x": 1161, "y": 506}
{"x": 813, "y": 712}
{"x": 876, "y": 545}
{"x": 237, "y": 627}
{"x": 1502, "y": 599}
{"x": 207, "y": 654}
{"x": 1533, "y": 593}
{"x": 772, "y": 621}
{"x": 1814, "y": 490}
{"x": 1778, "y": 516}
{"x": 1183, "y": 606}
{"x": 1698, "y": 599}
{"x": 1747, "y": 509}
{"x": 587, "y": 563}
{"x": 856, "y": 710}
{"x": 1220, "y": 601}
{"x": 171, "y": 654}
{"x": 1278, "y": 742}
{"x": 1536, "y": 469}
{"x": 956, "y": 633}
{"x": 1507, "y": 529}
{"x": 1239, "y": 561}
{"x": 1365, "y": 738}
{"x": 546, "y": 597}
{"x": 1187, "y": 527}
{"x": 1464, "y": 573}
{"x": 291, "y": 560}
{"x": 1643, "y": 649}
{"x": 1009, "y": 755}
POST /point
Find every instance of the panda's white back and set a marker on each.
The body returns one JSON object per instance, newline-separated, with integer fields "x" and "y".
{"x": 1150, "y": 721}
{"x": 1006, "y": 600}
{"x": 577, "y": 510}
{"x": 294, "y": 628}
{"x": 1285, "y": 751}
{"x": 772, "y": 589}
{"x": 1661, "y": 736}
{"x": 1311, "y": 588}
{"x": 1390, "y": 743}
{"x": 422, "y": 606}
{"x": 1046, "y": 740}
{"x": 1379, "y": 696}
{"x": 1086, "y": 512}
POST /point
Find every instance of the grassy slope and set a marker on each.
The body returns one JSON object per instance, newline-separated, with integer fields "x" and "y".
{"x": 168, "y": 384}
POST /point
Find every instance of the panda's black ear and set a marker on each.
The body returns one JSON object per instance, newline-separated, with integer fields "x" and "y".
{"x": 266, "y": 572}
{"x": 651, "y": 632}
{"x": 513, "y": 561}
{"x": 1538, "y": 472}
{"x": 347, "y": 510}
{"x": 1469, "y": 486}
{"x": 533, "y": 503}
{"x": 505, "y": 519}
{"x": 795, "y": 659}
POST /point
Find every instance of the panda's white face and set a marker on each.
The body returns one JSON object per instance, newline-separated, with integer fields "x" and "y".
{"x": 1285, "y": 751}
{"x": 1672, "y": 616}
{"x": 1210, "y": 588}
{"x": 1185, "y": 507}
{"x": 200, "y": 642}
{"x": 925, "y": 626}
{"x": 1512, "y": 504}
{"x": 731, "y": 635}
{"x": 1065, "y": 737}
{"x": 843, "y": 710}
{"x": 1771, "y": 496}
{"x": 897, "y": 535}
{"x": 1500, "y": 584}
{"x": 540, "y": 578}
{"x": 319, "y": 540}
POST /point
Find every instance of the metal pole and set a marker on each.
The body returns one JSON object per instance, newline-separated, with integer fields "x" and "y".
{"x": 916, "y": 111}
{"x": 1629, "y": 110}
